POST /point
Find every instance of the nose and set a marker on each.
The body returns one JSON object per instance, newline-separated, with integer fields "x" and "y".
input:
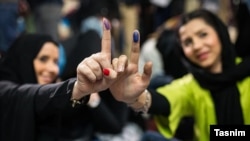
{"x": 52, "y": 67}
{"x": 197, "y": 43}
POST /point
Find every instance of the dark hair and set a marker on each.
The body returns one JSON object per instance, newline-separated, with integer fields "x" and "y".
{"x": 228, "y": 54}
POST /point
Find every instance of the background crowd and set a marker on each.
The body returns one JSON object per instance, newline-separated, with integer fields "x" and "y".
{"x": 75, "y": 26}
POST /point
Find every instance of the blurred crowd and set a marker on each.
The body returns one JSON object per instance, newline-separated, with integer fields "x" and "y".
{"x": 77, "y": 26}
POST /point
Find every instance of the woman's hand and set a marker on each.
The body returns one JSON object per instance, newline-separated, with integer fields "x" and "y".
{"x": 96, "y": 73}
{"x": 130, "y": 84}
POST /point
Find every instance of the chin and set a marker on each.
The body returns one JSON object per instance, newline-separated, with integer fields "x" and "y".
{"x": 205, "y": 64}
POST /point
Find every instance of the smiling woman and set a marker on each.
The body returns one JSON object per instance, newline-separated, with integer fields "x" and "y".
{"x": 201, "y": 45}
{"x": 214, "y": 92}
{"x": 32, "y": 58}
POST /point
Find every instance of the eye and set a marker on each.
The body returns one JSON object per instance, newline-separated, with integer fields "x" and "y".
{"x": 202, "y": 34}
{"x": 187, "y": 42}
{"x": 43, "y": 59}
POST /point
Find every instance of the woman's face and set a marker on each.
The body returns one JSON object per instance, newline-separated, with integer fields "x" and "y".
{"x": 46, "y": 63}
{"x": 201, "y": 45}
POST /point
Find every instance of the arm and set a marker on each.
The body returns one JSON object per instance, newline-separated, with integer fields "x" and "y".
{"x": 109, "y": 113}
{"x": 36, "y": 98}
{"x": 20, "y": 108}
{"x": 159, "y": 104}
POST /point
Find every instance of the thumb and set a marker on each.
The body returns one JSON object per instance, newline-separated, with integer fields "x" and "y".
{"x": 147, "y": 71}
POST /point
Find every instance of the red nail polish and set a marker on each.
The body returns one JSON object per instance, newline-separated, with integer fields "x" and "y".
{"x": 105, "y": 72}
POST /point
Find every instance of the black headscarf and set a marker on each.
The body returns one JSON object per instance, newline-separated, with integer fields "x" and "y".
{"x": 17, "y": 66}
{"x": 222, "y": 85}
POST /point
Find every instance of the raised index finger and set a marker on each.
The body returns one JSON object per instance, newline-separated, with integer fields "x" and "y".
{"x": 106, "y": 38}
{"x": 135, "y": 50}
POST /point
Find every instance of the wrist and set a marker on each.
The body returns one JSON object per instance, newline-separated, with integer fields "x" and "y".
{"x": 142, "y": 103}
{"x": 77, "y": 94}
{"x": 78, "y": 97}
{"x": 82, "y": 101}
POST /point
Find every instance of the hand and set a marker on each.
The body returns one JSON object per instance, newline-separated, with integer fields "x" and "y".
{"x": 96, "y": 73}
{"x": 130, "y": 84}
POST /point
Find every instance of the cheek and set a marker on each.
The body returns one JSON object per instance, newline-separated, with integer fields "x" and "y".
{"x": 54, "y": 67}
{"x": 215, "y": 45}
{"x": 188, "y": 52}
{"x": 212, "y": 42}
{"x": 57, "y": 69}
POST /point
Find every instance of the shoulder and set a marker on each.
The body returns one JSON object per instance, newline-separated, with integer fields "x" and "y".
{"x": 183, "y": 84}
{"x": 185, "y": 80}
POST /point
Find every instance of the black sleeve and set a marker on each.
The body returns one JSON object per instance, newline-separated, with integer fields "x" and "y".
{"x": 159, "y": 105}
{"x": 110, "y": 116}
{"x": 38, "y": 98}
{"x": 53, "y": 97}
{"x": 21, "y": 104}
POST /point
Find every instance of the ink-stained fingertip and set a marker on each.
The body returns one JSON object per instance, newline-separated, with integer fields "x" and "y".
{"x": 136, "y": 36}
{"x": 106, "y": 24}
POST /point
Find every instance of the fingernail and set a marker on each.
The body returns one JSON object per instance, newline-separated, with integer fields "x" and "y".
{"x": 120, "y": 69}
{"x": 106, "y": 23}
{"x": 136, "y": 37}
{"x": 105, "y": 72}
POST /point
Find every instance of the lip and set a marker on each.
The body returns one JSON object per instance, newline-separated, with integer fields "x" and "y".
{"x": 47, "y": 79}
{"x": 202, "y": 56}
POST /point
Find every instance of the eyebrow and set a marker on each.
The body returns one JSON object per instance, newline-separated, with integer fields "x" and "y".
{"x": 200, "y": 30}
{"x": 196, "y": 33}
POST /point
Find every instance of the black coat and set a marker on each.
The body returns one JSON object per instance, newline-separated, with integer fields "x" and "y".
{"x": 22, "y": 105}
{"x": 30, "y": 112}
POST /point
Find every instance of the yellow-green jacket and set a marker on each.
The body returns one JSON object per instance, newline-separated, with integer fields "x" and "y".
{"x": 187, "y": 98}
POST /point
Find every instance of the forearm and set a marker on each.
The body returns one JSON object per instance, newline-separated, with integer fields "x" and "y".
{"x": 43, "y": 100}
{"x": 55, "y": 97}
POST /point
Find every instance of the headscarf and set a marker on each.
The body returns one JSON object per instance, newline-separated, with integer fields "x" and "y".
{"x": 222, "y": 85}
{"x": 17, "y": 66}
